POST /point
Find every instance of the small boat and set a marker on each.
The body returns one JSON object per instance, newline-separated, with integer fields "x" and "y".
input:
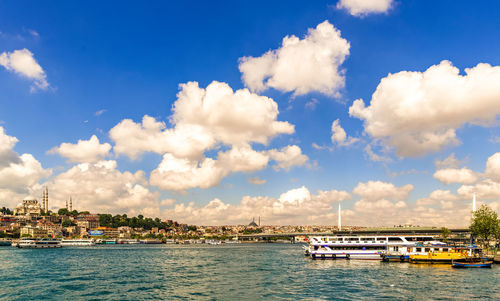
{"x": 472, "y": 262}
{"x": 4, "y": 242}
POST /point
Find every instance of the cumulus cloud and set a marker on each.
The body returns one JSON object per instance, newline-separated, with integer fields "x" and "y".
{"x": 295, "y": 207}
{"x": 455, "y": 175}
{"x": 18, "y": 173}
{"x": 23, "y": 63}
{"x": 84, "y": 151}
{"x": 419, "y": 112}
{"x": 300, "y": 65}
{"x": 203, "y": 120}
{"x": 360, "y": 8}
{"x": 181, "y": 174}
{"x": 287, "y": 157}
{"x": 493, "y": 168}
{"x": 101, "y": 187}
{"x": 377, "y": 190}
{"x": 339, "y": 136}
{"x": 257, "y": 181}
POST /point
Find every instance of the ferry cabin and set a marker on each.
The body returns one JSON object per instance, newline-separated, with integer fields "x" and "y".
{"x": 357, "y": 247}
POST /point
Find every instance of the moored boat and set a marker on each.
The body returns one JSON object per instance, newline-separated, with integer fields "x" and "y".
{"x": 472, "y": 262}
{"x": 357, "y": 247}
{"x": 33, "y": 243}
{"x": 446, "y": 255}
{"x": 78, "y": 242}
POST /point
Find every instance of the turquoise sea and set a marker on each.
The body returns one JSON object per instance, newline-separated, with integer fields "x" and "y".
{"x": 228, "y": 272}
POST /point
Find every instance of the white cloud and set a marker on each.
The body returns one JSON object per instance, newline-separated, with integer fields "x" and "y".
{"x": 84, "y": 151}
{"x": 18, "y": 173}
{"x": 311, "y": 104}
{"x": 437, "y": 196}
{"x": 448, "y": 162}
{"x": 205, "y": 120}
{"x": 301, "y": 66}
{"x": 377, "y": 190}
{"x": 419, "y": 112}
{"x": 257, "y": 181}
{"x": 455, "y": 175}
{"x": 243, "y": 159}
{"x": 339, "y": 136}
{"x": 288, "y": 157}
{"x": 493, "y": 167}
{"x": 100, "y": 112}
{"x": 202, "y": 119}
{"x": 100, "y": 187}
{"x": 23, "y": 63}
{"x": 294, "y": 207}
{"x": 360, "y": 8}
{"x": 181, "y": 174}
{"x": 7, "y": 153}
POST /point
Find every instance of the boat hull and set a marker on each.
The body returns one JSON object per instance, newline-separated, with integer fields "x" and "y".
{"x": 485, "y": 264}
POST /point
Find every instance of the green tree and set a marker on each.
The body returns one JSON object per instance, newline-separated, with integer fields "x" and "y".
{"x": 445, "y": 232}
{"x": 68, "y": 223}
{"x": 63, "y": 211}
{"x": 485, "y": 224}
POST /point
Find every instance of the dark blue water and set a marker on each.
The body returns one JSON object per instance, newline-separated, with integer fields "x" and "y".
{"x": 230, "y": 272}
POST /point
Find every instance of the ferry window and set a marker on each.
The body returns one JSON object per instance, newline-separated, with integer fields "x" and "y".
{"x": 427, "y": 249}
{"x": 411, "y": 238}
{"x": 394, "y": 238}
{"x": 396, "y": 248}
{"x": 369, "y": 238}
{"x": 419, "y": 249}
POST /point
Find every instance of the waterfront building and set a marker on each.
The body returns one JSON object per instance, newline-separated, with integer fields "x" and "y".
{"x": 28, "y": 206}
{"x": 33, "y": 231}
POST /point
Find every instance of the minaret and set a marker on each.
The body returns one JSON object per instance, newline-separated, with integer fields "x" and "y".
{"x": 474, "y": 203}
{"x": 340, "y": 219}
{"x": 46, "y": 199}
{"x": 66, "y": 204}
{"x": 43, "y": 200}
{"x": 70, "y": 204}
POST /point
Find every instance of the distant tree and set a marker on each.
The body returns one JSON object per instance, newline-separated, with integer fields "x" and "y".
{"x": 485, "y": 224}
{"x": 140, "y": 216}
{"x": 63, "y": 211}
{"x": 445, "y": 232}
{"x": 68, "y": 223}
{"x": 84, "y": 212}
{"x": 224, "y": 229}
{"x": 191, "y": 228}
{"x": 6, "y": 211}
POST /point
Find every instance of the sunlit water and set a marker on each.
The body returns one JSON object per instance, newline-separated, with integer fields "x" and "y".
{"x": 230, "y": 272}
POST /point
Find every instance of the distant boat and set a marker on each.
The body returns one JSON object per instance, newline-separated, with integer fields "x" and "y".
{"x": 472, "y": 262}
{"x": 78, "y": 242}
{"x": 32, "y": 243}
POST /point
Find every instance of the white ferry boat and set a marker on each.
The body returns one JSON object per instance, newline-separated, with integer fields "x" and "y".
{"x": 32, "y": 243}
{"x": 78, "y": 242}
{"x": 358, "y": 247}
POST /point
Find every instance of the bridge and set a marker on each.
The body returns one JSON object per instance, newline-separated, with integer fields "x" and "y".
{"x": 460, "y": 234}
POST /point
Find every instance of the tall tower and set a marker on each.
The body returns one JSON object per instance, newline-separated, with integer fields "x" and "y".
{"x": 46, "y": 199}
{"x": 66, "y": 204}
{"x": 340, "y": 219}
{"x": 43, "y": 200}
{"x": 70, "y": 204}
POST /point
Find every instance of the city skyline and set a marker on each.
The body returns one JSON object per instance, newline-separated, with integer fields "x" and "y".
{"x": 215, "y": 113}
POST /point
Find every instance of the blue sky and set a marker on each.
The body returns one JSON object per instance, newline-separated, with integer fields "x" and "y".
{"x": 128, "y": 60}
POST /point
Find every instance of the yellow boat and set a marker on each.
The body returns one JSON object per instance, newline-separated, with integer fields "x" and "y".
{"x": 440, "y": 256}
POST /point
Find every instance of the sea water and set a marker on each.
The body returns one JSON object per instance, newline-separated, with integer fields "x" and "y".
{"x": 227, "y": 272}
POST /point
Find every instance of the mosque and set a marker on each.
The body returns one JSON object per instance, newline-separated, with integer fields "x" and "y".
{"x": 31, "y": 206}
